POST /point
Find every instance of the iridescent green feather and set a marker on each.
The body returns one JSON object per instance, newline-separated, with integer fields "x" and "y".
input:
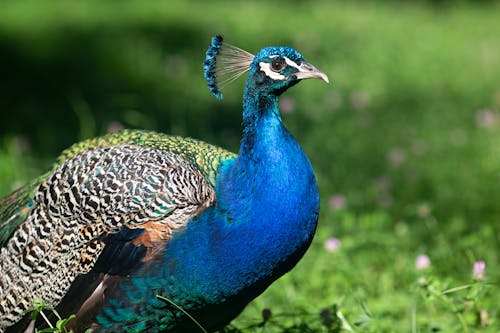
{"x": 204, "y": 156}
{"x": 14, "y": 209}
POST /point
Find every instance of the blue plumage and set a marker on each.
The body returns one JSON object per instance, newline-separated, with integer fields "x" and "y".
{"x": 209, "y": 66}
{"x": 254, "y": 214}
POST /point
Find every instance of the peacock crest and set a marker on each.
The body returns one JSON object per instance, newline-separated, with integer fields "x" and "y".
{"x": 223, "y": 64}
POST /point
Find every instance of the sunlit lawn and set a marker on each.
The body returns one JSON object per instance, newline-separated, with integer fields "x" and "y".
{"x": 404, "y": 143}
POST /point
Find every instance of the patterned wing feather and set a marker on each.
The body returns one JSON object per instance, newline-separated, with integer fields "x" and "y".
{"x": 56, "y": 230}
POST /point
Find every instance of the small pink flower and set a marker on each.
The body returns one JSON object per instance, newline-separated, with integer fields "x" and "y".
{"x": 332, "y": 244}
{"x": 287, "y": 104}
{"x": 422, "y": 262}
{"x": 486, "y": 118}
{"x": 360, "y": 100}
{"x": 396, "y": 157}
{"x": 423, "y": 211}
{"x": 115, "y": 126}
{"x": 478, "y": 270}
{"x": 337, "y": 201}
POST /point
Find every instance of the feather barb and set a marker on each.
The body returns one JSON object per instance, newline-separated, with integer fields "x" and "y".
{"x": 223, "y": 64}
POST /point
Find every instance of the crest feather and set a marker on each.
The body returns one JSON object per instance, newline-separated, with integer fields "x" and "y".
{"x": 223, "y": 64}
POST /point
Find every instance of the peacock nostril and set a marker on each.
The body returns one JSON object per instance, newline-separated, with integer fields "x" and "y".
{"x": 306, "y": 66}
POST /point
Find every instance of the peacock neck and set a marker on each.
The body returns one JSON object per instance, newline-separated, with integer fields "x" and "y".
{"x": 270, "y": 187}
{"x": 267, "y": 196}
{"x": 261, "y": 119}
{"x": 267, "y": 150}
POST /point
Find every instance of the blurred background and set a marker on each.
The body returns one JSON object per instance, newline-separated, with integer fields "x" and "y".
{"x": 405, "y": 140}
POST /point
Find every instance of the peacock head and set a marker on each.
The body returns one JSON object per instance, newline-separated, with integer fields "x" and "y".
{"x": 272, "y": 71}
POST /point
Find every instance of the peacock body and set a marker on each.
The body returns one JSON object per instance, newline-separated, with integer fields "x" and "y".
{"x": 128, "y": 217}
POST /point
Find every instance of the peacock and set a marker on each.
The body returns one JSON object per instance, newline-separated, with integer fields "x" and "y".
{"x": 138, "y": 231}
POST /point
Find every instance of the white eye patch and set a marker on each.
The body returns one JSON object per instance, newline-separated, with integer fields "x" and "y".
{"x": 291, "y": 63}
{"x": 266, "y": 68}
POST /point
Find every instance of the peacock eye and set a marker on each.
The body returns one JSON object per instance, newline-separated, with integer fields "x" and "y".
{"x": 278, "y": 65}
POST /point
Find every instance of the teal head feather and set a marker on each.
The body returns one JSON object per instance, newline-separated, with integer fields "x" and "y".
{"x": 209, "y": 66}
{"x": 278, "y": 68}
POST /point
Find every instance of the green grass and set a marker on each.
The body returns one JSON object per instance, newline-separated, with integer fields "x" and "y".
{"x": 408, "y": 133}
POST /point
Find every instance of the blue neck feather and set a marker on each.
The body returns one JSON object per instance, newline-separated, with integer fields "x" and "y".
{"x": 263, "y": 222}
{"x": 267, "y": 203}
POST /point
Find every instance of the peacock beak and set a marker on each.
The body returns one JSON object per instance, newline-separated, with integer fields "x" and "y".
{"x": 308, "y": 71}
